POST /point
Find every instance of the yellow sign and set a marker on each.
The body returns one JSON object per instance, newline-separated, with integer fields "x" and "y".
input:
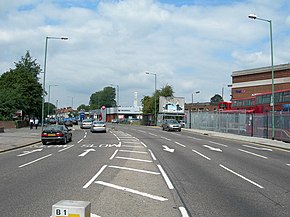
{"x": 73, "y": 215}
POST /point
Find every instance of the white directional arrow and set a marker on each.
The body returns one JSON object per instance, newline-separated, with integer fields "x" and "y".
{"x": 212, "y": 148}
{"x": 166, "y": 148}
{"x": 86, "y": 151}
{"x": 257, "y": 148}
{"x": 29, "y": 152}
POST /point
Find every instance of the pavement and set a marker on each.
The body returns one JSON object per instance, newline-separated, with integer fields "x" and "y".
{"x": 17, "y": 138}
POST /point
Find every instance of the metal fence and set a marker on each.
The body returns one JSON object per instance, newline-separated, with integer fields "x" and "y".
{"x": 257, "y": 125}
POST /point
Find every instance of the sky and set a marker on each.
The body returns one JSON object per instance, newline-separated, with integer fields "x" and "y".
{"x": 191, "y": 45}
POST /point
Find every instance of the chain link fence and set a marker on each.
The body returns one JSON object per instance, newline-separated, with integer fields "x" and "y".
{"x": 257, "y": 125}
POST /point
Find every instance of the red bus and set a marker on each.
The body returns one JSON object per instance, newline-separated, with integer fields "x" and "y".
{"x": 259, "y": 103}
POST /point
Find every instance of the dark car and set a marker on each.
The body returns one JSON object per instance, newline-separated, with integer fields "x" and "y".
{"x": 171, "y": 125}
{"x": 68, "y": 123}
{"x": 56, "y": 133}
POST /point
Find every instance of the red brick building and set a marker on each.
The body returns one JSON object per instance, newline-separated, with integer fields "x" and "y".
{"x": 247, "y": 83}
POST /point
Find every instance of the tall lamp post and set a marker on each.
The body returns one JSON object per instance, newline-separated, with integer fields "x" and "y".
{"x": 254, "y": 16}
{"x": 190, "y": 123}
{"x": 44, "y": 73}
{"x": 51, "y": 85}
{"x": 155, "y": 109}
{"x": 118, "y": 93}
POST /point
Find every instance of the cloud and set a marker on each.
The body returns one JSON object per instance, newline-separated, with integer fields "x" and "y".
{"x": 189, "y": 46}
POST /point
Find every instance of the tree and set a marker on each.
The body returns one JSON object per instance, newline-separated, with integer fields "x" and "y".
{"x": 20, "y": 89}
{"x": 105, "y": 97}
{"x": 148, "y": 102}
{"x": 216, "y": 99}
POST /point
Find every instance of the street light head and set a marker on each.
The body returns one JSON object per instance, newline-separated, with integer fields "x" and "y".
{"x": 252, "y": 16}
{"x": 64, "y": 38}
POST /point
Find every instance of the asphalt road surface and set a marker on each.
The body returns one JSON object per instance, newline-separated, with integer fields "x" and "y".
{"x": 142, "y": 171}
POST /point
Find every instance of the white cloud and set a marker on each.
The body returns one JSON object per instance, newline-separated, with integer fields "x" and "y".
{"x": 189, "y": 47}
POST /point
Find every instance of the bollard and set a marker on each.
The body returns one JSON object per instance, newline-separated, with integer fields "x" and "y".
{"x": 71, "y": 208}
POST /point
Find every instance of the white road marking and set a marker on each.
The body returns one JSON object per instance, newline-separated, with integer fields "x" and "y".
{"x": 80, "y": 141}
{"x": 29, "y": 152}
{"x": 136, "y": 170}
{"x": 86, "y": 152}
{"x": 201, "y": 154}
{"x": 152, "y": 155}
{"x": 114, "y": 154}
{"x": 65, "y": 148}
{"x": 142, "y": 131}
{"x": 252, "y": 182}
{"x": 212, "y": 148}
{"x": 138, "y": 152}
{"x": 183, "y": 212}
{"x": 94, "y": 177}
{"x": 258, "y": 148}
{"x": 166, "y": 148}
{"x": 135, "y": 159}
{"x": 142, "y": 143}
{"x": 165, "y": 138}
{"x": 180, "y": 144}
{"x": 216, "y": 143}
{"x": 195, "y": 138}
{"x": 35, "y": 160}
{"x": 152, "y": 134}
{"x": 131, "y": 191}
{"x": 132, "y": 146}
{"x": 288, "y": 165}
{"x": 177, "y": 134}
{"x": 261, "y": 156}
{"x": 167, "y": 180}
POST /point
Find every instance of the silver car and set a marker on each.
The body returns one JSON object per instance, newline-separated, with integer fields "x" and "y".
{"x": 171, "y": 124}
{"x": 86, "y": 124}
{"x": 99, "y": 126}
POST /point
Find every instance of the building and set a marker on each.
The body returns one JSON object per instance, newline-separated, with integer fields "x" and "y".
{"x": 248, "y": 83}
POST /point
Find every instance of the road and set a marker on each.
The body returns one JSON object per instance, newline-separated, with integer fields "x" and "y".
{"x": 144, "y": 171}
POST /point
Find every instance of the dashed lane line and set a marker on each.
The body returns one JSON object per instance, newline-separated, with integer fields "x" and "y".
{"x": 243, "y": 177}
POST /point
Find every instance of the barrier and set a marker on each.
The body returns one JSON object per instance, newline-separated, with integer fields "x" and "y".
{"x": 71, "y": 208}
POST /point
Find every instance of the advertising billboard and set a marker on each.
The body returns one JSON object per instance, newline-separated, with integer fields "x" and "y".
{"x": 173, "y": 105}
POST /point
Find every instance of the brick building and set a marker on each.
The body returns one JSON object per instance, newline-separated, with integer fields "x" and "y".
{"x": 247, "y": 83}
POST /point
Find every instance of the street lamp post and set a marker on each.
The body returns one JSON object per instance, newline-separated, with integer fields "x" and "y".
{"x": 190, "y": 123}
{"x": 254, "y": 16}
{"x": 44, "y": 73}
{"x": 51, "y": 85}
{"x": 118, "y": 93}
{"x": 155, "y": 109}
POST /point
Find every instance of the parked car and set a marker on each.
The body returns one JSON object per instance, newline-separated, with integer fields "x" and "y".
{"x": 171, "y": 125}
{"x": 56, "y": 133}
{"x": 99, "y": 126}
{"x": 86, "y": 124}
{"x": 116, "y": 121}
{"x": 182, "y": 123}
{"x": 68, "y": 123}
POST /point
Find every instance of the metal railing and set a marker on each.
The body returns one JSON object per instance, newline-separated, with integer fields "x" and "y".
{"x": 257, "y": 125}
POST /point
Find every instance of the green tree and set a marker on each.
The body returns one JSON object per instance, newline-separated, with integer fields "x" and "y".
{"x": 148, "y": 102}
{"x": 20, "y": 89}
{"x": 216, "y": 99}
{"x": 105, "y": 97}
{"x": 83, "y": 107}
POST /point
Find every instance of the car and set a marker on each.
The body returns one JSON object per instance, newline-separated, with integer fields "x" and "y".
{"x": 56, "y": 133}
{"x": 171, "y": 125}
{"x": 116, "y": 121}
{"x": 99, "y": 126}
{"x": 182, "y": 123}
{"x": 86, "y": 124}
{"x": 68, "y": 123}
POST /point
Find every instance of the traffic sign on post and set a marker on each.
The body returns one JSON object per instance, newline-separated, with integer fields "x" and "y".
{"x": 71, "y": 208}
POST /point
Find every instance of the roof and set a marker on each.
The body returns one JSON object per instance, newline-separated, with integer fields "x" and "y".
{"x": 261, "y": 70}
